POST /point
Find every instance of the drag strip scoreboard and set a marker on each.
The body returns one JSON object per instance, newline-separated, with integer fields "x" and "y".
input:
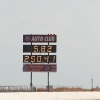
{"x": 39, "y": 60}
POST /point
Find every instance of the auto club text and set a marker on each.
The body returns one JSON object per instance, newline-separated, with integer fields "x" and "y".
{"x": 43, "y": 38}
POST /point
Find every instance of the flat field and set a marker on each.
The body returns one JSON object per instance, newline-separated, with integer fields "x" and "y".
{"x": 66, "y": 89}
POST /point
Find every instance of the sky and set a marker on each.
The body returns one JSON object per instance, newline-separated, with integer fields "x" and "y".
{"x": 77, "y": 26}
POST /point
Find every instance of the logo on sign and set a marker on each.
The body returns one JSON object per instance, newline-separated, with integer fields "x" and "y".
{"x": 25, "y": 68}
{"x": 47, "y": 68}
{"x": 27, "y": 38}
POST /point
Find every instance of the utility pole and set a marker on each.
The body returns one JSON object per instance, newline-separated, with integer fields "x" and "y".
{"x": 91, "y": 82}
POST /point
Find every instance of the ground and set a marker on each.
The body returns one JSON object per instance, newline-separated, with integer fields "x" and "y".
{"x": 66, "y": 89}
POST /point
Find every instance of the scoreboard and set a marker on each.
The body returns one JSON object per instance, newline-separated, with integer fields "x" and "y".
{"x": 39, "y": 48}
{"x": 39, "y": 58}
{"x": 34, "y": 59}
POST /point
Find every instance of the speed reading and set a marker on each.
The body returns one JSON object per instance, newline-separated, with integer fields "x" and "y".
{"x": 39, "y": 58}
{"x": 39, "y": 48}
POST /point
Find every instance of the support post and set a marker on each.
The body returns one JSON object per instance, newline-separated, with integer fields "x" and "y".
{"x": 48, "y": 72}
{"x": 31, "y": 72}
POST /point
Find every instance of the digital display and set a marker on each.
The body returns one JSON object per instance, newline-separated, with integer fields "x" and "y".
{"x": 39, "y": 58}
{"x": 39, "y": 48}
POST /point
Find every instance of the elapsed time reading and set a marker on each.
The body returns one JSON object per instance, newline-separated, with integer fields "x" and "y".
{"x": 39, "y": 48}
{"x": 39, "y": 58}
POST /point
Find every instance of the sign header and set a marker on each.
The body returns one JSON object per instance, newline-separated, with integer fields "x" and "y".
{"x": 39, "y": 68}
{"x": 39, "y": 38}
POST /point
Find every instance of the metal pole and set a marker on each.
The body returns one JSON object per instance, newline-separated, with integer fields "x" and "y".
{"x": 48, "y": 72}
{"x": 48, "y": 81}
{"x": 31, "y": 72}
{"x": 92, "y": 83}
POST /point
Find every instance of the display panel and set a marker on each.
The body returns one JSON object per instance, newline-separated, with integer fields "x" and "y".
{"x": 39, "y": 48}
{"x": 39, "y": 58}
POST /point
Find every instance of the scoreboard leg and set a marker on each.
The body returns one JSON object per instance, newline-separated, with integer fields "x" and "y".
{"x": 48, "y": 72}
{"x": 31, "y": 82}
{"x": 31, "y": 72}
{"x": 48, "y": 81}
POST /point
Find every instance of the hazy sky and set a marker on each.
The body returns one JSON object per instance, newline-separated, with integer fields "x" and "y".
{"x": 77, "y": 26}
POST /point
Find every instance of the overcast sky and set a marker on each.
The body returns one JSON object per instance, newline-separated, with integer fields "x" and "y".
{"x": 77, "y": 26}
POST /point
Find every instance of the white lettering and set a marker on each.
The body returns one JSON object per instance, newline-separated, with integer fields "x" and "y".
{"x": 37, "y": 38}
{"x": 53, "y": 66}
{"x": 46, "y": 38}
{"x": 49, "y": 38}
{"x": 36, "y": 69}
{"x": 32, "y": 38}
{"x": 41, "y": 38}
{"x": 36, "y": 66}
